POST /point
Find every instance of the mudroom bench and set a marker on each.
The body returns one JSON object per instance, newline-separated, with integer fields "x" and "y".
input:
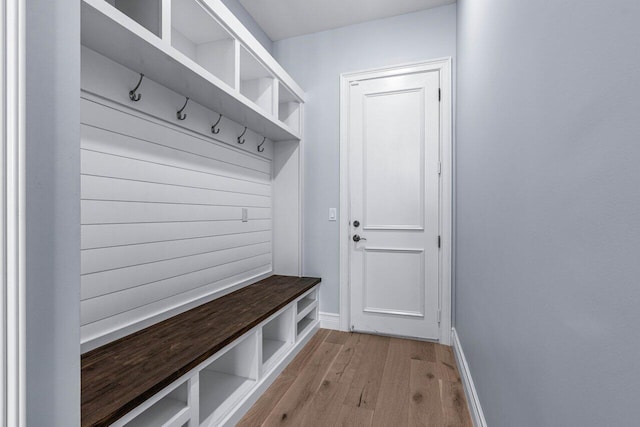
{"x": 204, "y": 367}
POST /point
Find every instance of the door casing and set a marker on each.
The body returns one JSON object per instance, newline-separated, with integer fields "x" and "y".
{"x": 443, "y": 66}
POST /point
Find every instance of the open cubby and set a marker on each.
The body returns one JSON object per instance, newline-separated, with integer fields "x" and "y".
{"x": 276, "y": 337}
{"x": 306, "y": 322}
{"x": 147, "y": 13}
{"x": 256, "y": 82}
{"x": 306, "y": 302}
{"x": 170, "y": 408}
{"x": 227, "y": 379}
{"x": 288, "y": 108}
{"x": 199, "y": 36}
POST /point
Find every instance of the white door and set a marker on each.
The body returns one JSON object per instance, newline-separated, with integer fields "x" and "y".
{"x": 394, "y": 157}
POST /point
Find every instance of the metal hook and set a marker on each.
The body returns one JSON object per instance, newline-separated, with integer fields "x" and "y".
{"x": 241, "y": 135}
{"x": 213, "y": 128}
{"x": 135, "y": 97}
{"x": 179, "y": 114}
{"x": 260, "y": 149}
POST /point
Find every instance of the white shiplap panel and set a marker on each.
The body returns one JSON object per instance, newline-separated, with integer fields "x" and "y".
{"x": 94, "y": 260}
{"x": 121, "y": 324}
{"x": 116, "y": 189}
{"x": 169, "y": 172}
{"x": 162, "y": 217}
{"x": 96, "y": 284}
{"x": 108, "y": 142}
{"x": 101, "y": 236}
{"x": 105, "y": 306}
{"x": 109, "y": 212}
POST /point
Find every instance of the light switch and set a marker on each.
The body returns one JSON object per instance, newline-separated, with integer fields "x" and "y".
{"x": 332, "y": 214}
{"x": 245, "y": 215}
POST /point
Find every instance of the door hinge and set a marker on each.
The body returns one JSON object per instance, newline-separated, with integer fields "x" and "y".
{"x": 439, "y": 95}
{"x": 439, "y": 316}
{"x": 439, "y": 168}
{"x": 439, "y": 242}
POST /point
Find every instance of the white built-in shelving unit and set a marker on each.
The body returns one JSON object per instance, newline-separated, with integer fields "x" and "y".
{"x": 199, "y": 49}
{"x": 195, "y": 49}
{"x": 220, "y": 390}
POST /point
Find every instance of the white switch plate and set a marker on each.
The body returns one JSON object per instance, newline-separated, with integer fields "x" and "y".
{"x": 245, "y": 215}
{"x": 332, "y": 214}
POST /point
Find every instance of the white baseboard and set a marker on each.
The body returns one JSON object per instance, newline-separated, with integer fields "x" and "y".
{"x": 469, "y": 388}
{"x": 330, "y": 321}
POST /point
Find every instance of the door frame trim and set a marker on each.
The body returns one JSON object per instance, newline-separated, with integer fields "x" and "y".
{"x": 443, "y": 65}
{"x": 12, "y": 215}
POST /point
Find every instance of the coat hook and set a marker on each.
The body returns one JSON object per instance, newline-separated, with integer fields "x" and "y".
{"x": 241, "y": 135}
{"x": 135, "y": 97}
{"x": 179, "y": 113}
{"x": 213, "y": 128}
{"x": 260, "y": 149}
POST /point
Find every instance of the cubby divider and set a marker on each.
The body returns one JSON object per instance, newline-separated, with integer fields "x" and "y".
{"x": 277, "y": 337}
{"x": 289, "y": 111}
{"x": 256, "y": 82}
{"x": 303, "y": 325}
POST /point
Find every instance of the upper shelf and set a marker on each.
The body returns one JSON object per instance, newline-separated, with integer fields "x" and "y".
{"x": 214, "y": 61}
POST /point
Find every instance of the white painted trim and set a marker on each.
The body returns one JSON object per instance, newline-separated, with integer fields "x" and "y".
{"x": 330, "y": 321}
{"x": 443, "y": 65}
{"x": 467, "y": 381}
{"x": 12, "y": 46}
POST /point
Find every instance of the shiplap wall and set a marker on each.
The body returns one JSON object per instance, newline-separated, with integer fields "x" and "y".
{"x": 161, "y": 205}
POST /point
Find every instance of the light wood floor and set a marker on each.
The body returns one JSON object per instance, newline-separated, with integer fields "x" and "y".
{"x": 349, "y": 379}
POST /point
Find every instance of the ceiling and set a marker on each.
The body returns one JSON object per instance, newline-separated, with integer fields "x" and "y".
{"x": 282, "y": 19}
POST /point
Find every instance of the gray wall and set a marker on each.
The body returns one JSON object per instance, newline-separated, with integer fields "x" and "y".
{"x": 548, "y": 209}
{"x": 247, "y": 20}
{"x": 53, "y": 213}
{"x": 316, "y": 61}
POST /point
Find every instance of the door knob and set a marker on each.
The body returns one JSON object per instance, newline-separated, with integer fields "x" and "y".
{"x": 357, "y": 238}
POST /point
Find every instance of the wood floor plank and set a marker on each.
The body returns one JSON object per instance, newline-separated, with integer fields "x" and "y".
{"x": 299, "y": 362}
{"x": 327, "y": 402}
{"x": 423, "y": 350}
{"x": 290, "y": 409}
{"x": 447, "y": 367}
{"x": 348, "y": 359}
{"x": 325, "y": 406}
{"x": 454, "y": 405}
{"x": 263, "y": 407}
{"x": 351, "y": 416}
{"x": 359, "y": 345}
{"x": 425, "y": 406}
{"x": 338, "y": 337}
{"x": 364, "y": 389}
{"x": 392, "y": 407}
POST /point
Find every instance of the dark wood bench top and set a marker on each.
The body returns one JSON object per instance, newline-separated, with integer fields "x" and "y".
{"x": 121, "y": 375}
